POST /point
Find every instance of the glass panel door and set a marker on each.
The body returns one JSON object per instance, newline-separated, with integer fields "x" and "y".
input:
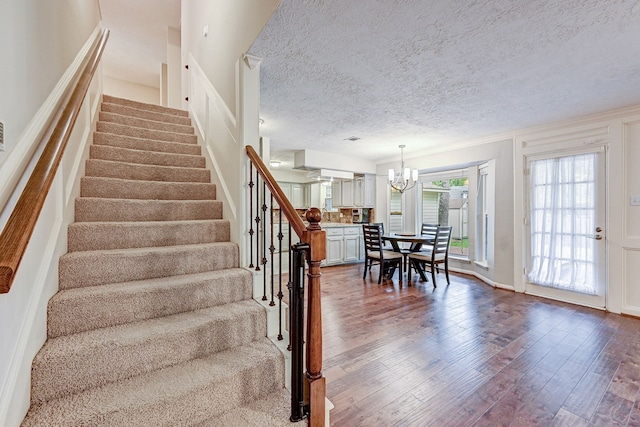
{"x": 566, "y": 220}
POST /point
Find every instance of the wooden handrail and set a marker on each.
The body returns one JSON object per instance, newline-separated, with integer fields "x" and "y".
{"x": 285, "y": 205}
{"x": 22, "y": 221}
{"x": 316, "y": 238}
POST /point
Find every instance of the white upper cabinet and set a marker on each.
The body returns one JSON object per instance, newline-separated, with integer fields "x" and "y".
{"x": 369, "y": 191}
{"x": 347, "y": 193}
{"x": 336, "y": 191}
{"x": 364, "y": 191}
{"x": 297, "y": 196}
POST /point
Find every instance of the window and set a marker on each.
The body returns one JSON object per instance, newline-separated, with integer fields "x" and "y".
{"x": 482, "y": 216}
{"x": 445, "y": 202}
{"x": 395, "y": 211}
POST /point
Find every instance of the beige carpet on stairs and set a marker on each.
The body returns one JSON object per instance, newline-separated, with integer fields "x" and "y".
{"x": 154, "y": 324}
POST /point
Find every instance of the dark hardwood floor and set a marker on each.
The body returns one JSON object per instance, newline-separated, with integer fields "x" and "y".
{"x": 471, "y": 355}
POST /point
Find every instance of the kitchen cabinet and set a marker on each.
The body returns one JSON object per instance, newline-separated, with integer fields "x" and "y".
{"x": 314, "y": 196}
{"x": 334, "y": 246}
{"x": 351, "y": 244}
{"x": 297, "y": 196}
{"x": 286, "y": 189}
{"x": 358, "y": 191}
{"x": 364, "y": 191}
{"x": 295, "y": 193}
{"x": 342, "y": 193}
{"x": 347, "y": 193}
{"x": 369, "y": 191}
{"x": 336, "y": 191}
{"x": 343, "y": 244}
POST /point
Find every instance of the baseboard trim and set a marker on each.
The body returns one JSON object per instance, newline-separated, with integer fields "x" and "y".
{"x": 482, "y": 278}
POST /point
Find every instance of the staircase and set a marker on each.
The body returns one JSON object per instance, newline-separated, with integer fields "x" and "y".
{"x": 154, "y": 324}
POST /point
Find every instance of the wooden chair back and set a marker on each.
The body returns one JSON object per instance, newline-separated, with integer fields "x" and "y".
{"x": 372, "y": 234}
{"x": 442, "y": 241}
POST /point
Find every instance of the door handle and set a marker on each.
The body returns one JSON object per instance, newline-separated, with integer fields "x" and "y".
{"x": 596, "y": 237}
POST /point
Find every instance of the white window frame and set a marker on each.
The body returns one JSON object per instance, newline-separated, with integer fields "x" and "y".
{"x": 482, "y": 216}
{"x": 448, "y": 175}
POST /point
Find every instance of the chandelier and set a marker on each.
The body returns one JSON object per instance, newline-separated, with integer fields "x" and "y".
{"x": 399, "y": 181}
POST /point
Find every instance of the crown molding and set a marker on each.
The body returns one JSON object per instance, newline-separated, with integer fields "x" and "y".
{"x": 251, "y": 61}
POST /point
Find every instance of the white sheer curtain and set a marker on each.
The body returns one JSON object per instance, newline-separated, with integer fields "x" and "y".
{"x": 563, "y": 210}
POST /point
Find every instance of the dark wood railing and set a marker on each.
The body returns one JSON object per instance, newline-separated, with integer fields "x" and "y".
{"x": 22, "y": 221}
{"x": 314, "y": 240}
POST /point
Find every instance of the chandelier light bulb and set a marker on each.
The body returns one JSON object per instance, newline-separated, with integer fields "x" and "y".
{"x": 404, "y": 180}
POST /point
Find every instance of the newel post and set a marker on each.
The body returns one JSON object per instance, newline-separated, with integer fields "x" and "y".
{"x": 316, "y": 238}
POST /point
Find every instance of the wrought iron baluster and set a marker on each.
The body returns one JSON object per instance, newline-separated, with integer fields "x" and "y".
{"x": 272, "y": 249}
{"x": 280, "y": 295}
{"x": 251, "y": 214}
{"x": 257, "y": 220}
{"x": 264, "y": 240}
{"x": 289, "y": 282}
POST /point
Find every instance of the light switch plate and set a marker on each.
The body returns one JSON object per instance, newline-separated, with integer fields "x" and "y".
{"x": 635, "y": 201}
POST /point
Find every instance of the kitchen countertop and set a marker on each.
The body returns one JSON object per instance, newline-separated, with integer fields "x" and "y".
{"x": 338, "y": 224}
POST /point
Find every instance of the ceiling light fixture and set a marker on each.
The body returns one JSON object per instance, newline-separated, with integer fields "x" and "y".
{"x": 400, "y": 181}
{"x": 274, "y": 163}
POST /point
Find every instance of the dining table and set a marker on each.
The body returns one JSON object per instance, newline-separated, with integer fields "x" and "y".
{"x": 416, "y": 240}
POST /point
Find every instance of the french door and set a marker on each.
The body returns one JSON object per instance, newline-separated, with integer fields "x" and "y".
{"x": 567, "y": 205}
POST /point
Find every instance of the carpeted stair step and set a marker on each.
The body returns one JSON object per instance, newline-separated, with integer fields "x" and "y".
{"x": 185, "y": 394}
{"x": 271, "y": 411}
{"x": 116, "y": 154}
{"x": 144, "y": 123}
{"x": 144, "y": 106}
{"x": 91, "y": 268}
{"x": 99, "y": 209}
{"x": 73, "y": 363}
{"x": 91, "y": 236}
{"x": 132, "y": 143}
{"x": 112, "y": 169}
{"x": 83, "y": 309}
{"x": 94, "y": 186}
{"x": 159, "y": 135}
{"x": 108, "y": 107}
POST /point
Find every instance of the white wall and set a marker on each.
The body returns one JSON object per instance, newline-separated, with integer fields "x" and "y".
{"x": 53, "y": 39}
{"x": 224, "y": 93}
{"x": 40, "y": 39}
{"x": 625, "y": 252}
{"x": 174, "y": 72}
{"x": 233, "y": 27}
{"x": 132, "y": 91}
{"x": 289, "y": 175}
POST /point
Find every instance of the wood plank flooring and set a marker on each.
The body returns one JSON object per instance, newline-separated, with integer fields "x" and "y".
{"x": 471, "y": 355}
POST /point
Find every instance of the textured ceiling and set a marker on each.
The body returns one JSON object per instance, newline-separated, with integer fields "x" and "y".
{"x": 138, "y": 41}
{"x": 428, "y": 73}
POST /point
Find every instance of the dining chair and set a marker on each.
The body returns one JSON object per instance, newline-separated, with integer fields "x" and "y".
{"x": 426, "y": 230}
{"x": 386, "y": 247}
{"x": 438, "y": 254}
{"x": 429, "y": 229}
{"x": 376, "y": 254}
